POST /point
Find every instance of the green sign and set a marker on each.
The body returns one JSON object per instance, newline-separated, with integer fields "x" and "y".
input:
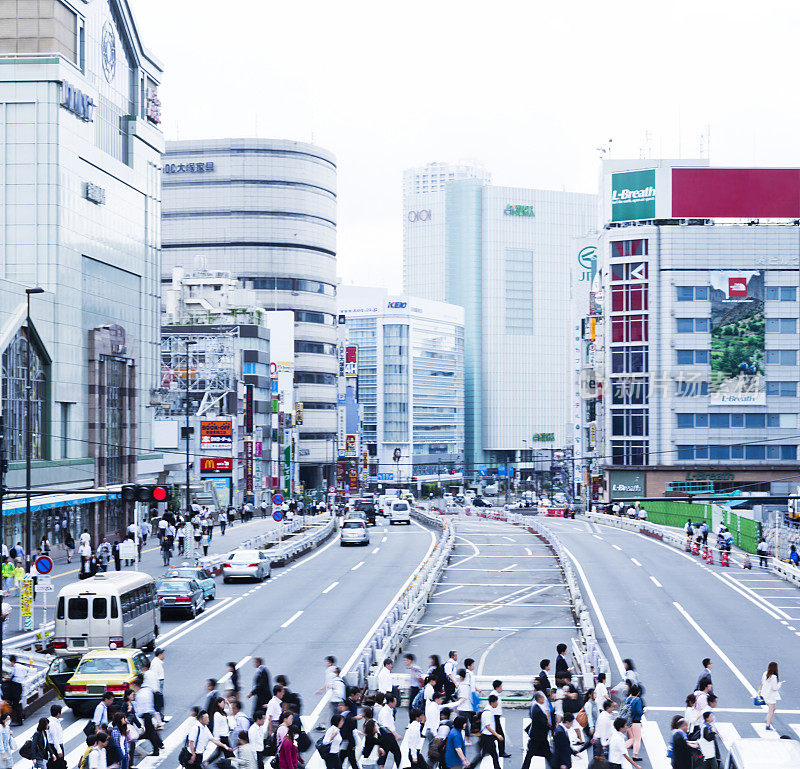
{"x": 633, "y": 195}
{"x": 544, "y": 436}
{"x": 515, "y": 210}
{"x": 625, "y": 484}
{"x": 287, "y": 470}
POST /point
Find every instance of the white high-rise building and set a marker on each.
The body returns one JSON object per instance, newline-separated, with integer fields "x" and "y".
{"x": 508, "y": 257}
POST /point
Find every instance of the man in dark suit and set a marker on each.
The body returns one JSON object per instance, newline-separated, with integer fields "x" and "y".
{"x": 542, "y": 682}
{"x": 262, "y": 691}
{"x": 562, "y": 751}
{"x": 561, "y": 661}
{"x": 539, "y": 730}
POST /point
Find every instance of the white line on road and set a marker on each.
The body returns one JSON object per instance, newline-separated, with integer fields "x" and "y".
{"x": 528, "y": 551}
{"x": 329, "y": 588}
{"x": 384, "y": 539}
{"x": 656, "y": 582}
{"x": 724, "y": 657}
{"x": 635, "y": 562}
{"x": 375, "y": 550}
{"x": 357, "y": 566}
{"x": 508, "y": 568}
{"x": 616, "y": 547}
{"x": 597, "y": 536}
{"x": 292, "y": 619}
{"x": 449, "y": 590}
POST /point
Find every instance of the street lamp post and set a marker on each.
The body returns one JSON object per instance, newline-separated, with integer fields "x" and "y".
{"x": 188, "y": 343}
{"x": 28, "y": 430}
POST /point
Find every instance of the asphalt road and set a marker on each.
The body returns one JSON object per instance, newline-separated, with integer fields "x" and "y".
{"x": 327, "y": 602}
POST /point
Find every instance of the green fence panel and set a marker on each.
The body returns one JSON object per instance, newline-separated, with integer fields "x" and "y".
{"x": 669, "y": 513}
{"x": 746, "y": 532}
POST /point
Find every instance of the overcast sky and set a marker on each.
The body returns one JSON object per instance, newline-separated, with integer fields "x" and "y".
{"x": 527, "y": 88}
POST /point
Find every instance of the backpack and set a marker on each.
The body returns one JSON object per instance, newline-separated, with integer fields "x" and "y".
{"x": 418, "y": 702}
{"x": 625, "y": 711}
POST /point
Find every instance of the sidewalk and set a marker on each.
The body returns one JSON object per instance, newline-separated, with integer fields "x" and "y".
{"x": 64, "y": 572}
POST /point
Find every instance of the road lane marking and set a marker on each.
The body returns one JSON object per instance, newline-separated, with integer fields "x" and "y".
{"x": 489, "y": 648}
{"x": 384, "y": 539}
{"x": 528, "y": 551}
{"x": 449, "y": 590}
{"x": 375, "y": 550}
{"x": 292, "y": 619}
{"x": 357, "y": 566}
{"x": 508, "y": 568}
{"x": 597, "y": 536}
{"x": 635, "y": 562}
{"x": 616, "y": 547}
{"x": 329, "y": 588}
{"x": 654, "y": 745}
{"x": 656, "y": 582}
{"x": 724, "y": 657}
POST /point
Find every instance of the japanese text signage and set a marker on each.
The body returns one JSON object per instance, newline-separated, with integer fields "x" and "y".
{"x": 248, "y": 409}
{"x": 216, "y": 464}
{"x": 351, "y": 360}
{"x": 517, "y": 210}
{"x": 216, "y": 435}
{"x": 633, "y": 195}
{"x": 248, "y": 465}
{"x": 188, "y": 168}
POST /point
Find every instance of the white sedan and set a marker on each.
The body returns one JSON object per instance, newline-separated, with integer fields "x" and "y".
{"x": 247, "y": 564}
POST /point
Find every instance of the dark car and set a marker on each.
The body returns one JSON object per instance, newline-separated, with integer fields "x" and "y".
{"x": 180, "y": 595}
{"x": 480, "y": 502}
{"x": 366, "y": 506}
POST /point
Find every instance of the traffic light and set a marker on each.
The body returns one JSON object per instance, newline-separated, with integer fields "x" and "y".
{"x": 147, "y": 493}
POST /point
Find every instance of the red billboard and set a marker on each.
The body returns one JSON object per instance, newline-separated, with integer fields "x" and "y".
{"x": 216, "y": 464}
{"x": 736, "y": 193}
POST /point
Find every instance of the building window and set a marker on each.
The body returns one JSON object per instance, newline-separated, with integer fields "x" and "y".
{"x": 629, "y": 360}
{"x": 691, "y": 293}
{"x": 65, "y": 430}
{"x": 629, "y": 328}
{"x": 692, "y": 325}
{"x": 781, "y": 326}
{"x": 629, "y": 248}
{"x": 691, "y": 357}
{"x": 629, "y": 452}
{"x": 315, "y": 348}
{"x": 690, "y": 389}
{"x": 629, "y": 391}
{"x": 781, "y": 293}
{"x": 519, "y": 291}
{"x": 782, "y": 357}
{"x": 782, "y": 389}
{"x": 304, "y": 316}
{"x": 629, "y": 422}
{"x": 629, "y": 271}
{"x": 313, "y": 377}
{"x": 15, "y": 364}
{"x": 395, "y": 382}
{"x": 629, "y": 297}
{"x": 115, "y": 410}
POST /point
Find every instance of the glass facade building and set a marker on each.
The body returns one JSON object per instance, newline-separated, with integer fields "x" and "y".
{"x": 265, "y": 211}
{"x": 506, "y": 256}
{"x": 80, "y": 201}
{"x": 410, "y": 382}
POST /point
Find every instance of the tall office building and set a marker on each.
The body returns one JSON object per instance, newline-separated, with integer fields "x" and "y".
{"x": 699, "y": 371}
{"x": 80, "y": 202}
{"x": 410, "y": 363}
{"x": 265, "y": 211}
{"x": 507, "y": 256}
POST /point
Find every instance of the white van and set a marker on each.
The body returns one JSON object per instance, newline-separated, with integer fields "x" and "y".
{"x": 763, "y": 753}
{"x": 118, "y": 607}
{"x": 400, "y": 512}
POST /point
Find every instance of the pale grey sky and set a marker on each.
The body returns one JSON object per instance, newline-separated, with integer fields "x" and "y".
{"x": 527, "y": 88}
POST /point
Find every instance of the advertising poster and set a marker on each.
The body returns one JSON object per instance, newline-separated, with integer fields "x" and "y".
{"x": 737, "y": 338}
{"x": 216, "y": 435}
{"x": 633, "y": 195}
{"x": 26, "y": 602}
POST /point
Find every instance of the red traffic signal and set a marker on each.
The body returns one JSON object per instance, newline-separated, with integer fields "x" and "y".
{"x": 159, "y": 493}
{"x": 146, "y": 493}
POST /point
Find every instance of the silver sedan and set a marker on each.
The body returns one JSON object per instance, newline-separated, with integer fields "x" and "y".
{"x": 246, "y": 564}
{"x": 354, "y": 532}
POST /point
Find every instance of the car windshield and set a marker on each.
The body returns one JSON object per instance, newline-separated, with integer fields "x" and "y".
{"x": 244, "y": 555}
{"x": 104, "y": 666}
{"x": 173, "y": 586}
{"x": 353, "y": 525}
{"x": 186, "y": 573}
{"x": 400, "y": 506}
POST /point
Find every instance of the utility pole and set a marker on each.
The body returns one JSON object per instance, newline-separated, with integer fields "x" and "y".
{"x": 188, "y": 342}
{"x": 28, "y": 430}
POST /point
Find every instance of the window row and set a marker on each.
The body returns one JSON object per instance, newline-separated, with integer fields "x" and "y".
{"x": 629, "y": 328}
{"x": 782, "y": 357}
{"x": 691, "y": 293}
{"x": 781, "y": 325}
{"x": 782, "y": 389}
{"x": 690, "y": 453}
{"x": 317, "y": 348}
{"x": 629, "y": 422}
{"x": 636, "y": 247}
{"x": 691, "y": 357}
{"x": 629, "y": 452}
{"x": 313, "y": 377}
{"x": 290, "y": 284}
{"x": 690, "y": 325}
{"x": 723, "y": 421}
{"x": 781, "y": 293}
{"x": 629, "y": 271}
{"x": 629, "y": 297}
{"x": 305, "y": 316}
{"x": 629, "y": 360}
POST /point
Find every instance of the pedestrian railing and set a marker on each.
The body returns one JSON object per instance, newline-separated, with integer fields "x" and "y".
{"x": 400, "y": 618}
{"x": 34, "y": 687}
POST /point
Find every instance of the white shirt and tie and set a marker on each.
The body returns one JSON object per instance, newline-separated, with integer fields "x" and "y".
{"x": 100, "y": 716}
{"x": 385, "y": 718}
{"x": 385, "y": 680}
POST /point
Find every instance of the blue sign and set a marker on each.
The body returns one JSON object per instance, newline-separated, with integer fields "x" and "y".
{"x": 43, "y": 564}
{"x": 505, "y": 472}
{"x": 77, "y": 102}
{"x": 277, "y": 515}
{"x": 277, "y": 499}
{"x": 397, "y": 305}
{"x": 481, "y": 471}
{"x": 385, "y": 476}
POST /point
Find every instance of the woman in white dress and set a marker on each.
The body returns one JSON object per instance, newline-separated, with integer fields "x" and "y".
{"x": 769, "y": 689}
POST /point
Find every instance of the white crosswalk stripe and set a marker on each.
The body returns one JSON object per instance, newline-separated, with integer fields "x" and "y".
{"x": 655, "y": 745}
{"x": 796, "y": 729}
{"x": 727, "y": 733}
{"x": 762, "y": 731}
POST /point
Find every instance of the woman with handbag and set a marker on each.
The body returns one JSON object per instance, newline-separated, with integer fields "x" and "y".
{"x": 7, "y": 743}
{"x": 288, "y": 756}
{"x": 40, "y": 745}
{"x": 769, "y": 691}
{"x": 331, "y": 743}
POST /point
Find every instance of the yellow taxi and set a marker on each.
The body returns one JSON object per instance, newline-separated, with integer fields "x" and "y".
{"x": 82, "y": 681}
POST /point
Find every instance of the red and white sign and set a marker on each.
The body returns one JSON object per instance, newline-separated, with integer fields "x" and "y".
{"x": 737, "y": 288}
{"x": 216, "y": 464}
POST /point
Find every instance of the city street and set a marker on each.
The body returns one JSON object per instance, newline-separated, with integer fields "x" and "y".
{"x": 324, "y": 603}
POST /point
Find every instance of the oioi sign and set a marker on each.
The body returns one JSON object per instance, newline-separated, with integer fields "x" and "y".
{"x": 633, "y": 195}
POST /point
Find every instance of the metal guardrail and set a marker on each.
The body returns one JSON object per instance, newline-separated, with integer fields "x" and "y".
{"x": 35, "y": 686}
{"x": 401, "y": 618}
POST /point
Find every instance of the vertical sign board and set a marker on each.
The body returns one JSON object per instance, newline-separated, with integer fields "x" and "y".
{"x": 26, "y": 602}
{"x": 633, "y": 195}
{"x": 287, "y": 469}
{"x": 248, "y": 465}
{"x": 248, "y": 409}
